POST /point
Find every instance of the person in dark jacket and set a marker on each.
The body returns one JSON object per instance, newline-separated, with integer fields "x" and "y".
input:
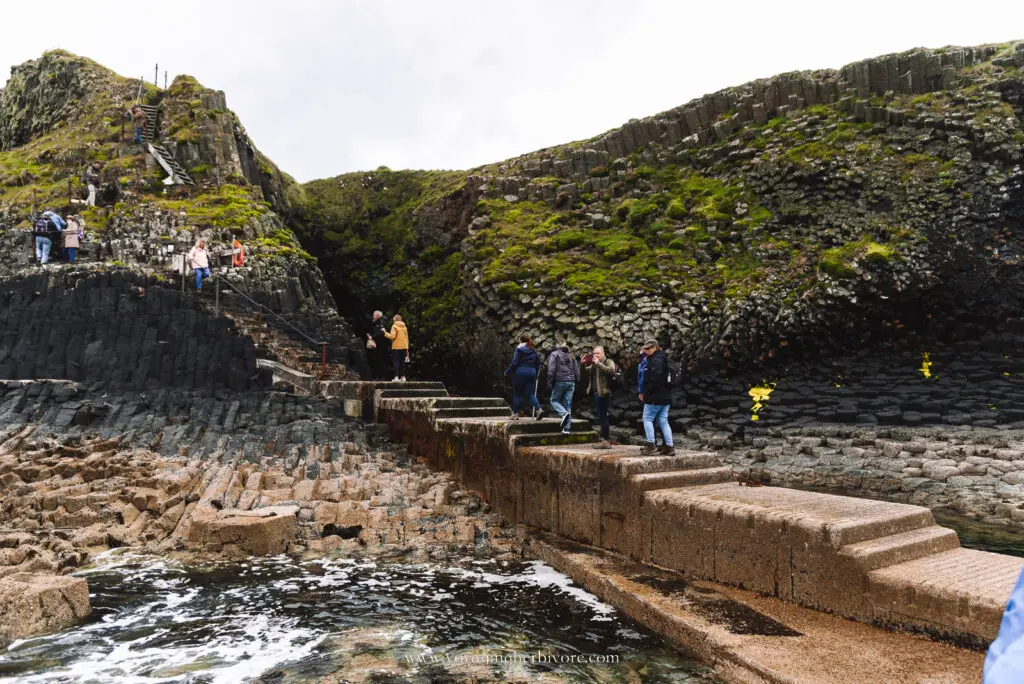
{"x": 380, "y": 353}
{"x": 523, "y": 369}
{"x": 563, "y": 374}
{"x": 656, "y": 395}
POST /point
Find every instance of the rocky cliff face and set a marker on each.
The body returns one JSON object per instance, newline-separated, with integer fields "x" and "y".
{"x": 60, "y": 112}
{"x": 808, "y": 212}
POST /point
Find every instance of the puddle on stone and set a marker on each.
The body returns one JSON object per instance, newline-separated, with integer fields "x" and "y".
{"x": 286, "y": 621}
{"x": 716, "y": 608}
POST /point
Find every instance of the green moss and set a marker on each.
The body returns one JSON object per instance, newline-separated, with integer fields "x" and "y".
{"x": 677, "y": 209}
{"x": 839, "y": 261}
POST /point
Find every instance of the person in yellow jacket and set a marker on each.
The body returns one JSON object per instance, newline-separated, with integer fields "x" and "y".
{"x": 399, "y": 337}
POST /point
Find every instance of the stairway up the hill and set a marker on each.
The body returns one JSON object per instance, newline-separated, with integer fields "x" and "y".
{"x": 296, "y": 361}
{"x": 149, "y": 134}
{"x": 175, "y": 171}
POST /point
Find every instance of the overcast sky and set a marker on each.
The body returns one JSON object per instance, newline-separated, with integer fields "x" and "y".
{"x": 329, "y": 86}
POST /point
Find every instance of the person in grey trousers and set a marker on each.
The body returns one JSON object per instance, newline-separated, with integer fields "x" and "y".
{"x": 563, "y": 374}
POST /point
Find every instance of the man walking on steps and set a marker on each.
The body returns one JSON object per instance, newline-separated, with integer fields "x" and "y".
{"x": 563, "y": 374}
{"x": 656, "y": 395}
{"x": 139, "y": 120}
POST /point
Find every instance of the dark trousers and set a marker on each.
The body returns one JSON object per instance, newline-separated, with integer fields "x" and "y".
{"x": 380, "y": 361}
{"x": 602, "y": 404}
{"x": 398, "y": 361}
{"x": 523, "y": 385}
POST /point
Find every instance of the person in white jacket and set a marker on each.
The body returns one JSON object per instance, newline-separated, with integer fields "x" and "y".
{"x": 199, "y": 260}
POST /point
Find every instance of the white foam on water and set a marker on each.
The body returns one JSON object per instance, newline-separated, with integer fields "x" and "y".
{"x": 242, "y": 634}
{"x": 543, "y": 576}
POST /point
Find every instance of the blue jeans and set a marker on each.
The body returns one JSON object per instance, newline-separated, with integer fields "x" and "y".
{"x": 657, "y": 414}
{"x": 43, "y": 245}
{"x": 138, "y": 136}
{"x": 524, "y": 382}
{"x": 200, "y": 274}
{"x": 561, "y": 397}
{"x": 71, "y": 252}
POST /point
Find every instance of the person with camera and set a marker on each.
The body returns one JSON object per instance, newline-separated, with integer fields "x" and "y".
{"x": 602, "y": 375}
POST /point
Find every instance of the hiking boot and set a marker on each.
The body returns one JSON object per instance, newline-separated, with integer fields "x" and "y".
{"x": 666, "y": 450}
{"x": 515, "y": 415}
{"x": 540, "y": 414}
{"x": 566, "y": 423}
{"x": 648, "y": 449}
{"x": 603, "y": 444}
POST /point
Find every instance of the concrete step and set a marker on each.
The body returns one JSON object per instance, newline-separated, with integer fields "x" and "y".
{"x": 900, "y": 548}
{"x": 529, "y": 426}
{"x": 553, "y": 439}
{"x": 961, "y": 590}
{"x": 631, "y": 463}
{"x": 471, "y": 402}
{"x": 646, "y": 482}
{"x": 471, "y": 412}
{"x": 412, "y": 384}
{"x": 398, "y": 392}
{"x": 843, "y": 520}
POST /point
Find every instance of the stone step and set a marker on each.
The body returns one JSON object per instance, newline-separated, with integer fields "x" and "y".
{"x": 471, "y": 412}
{"x": 471, "y": 402}
{"x": 396, "y": 391}
{"x": 630, "y": 461}
{"x": 412, "y": 384}
{"x": 552, "y": 439}
{"x": 529, "y": 426}
{"x": 959, "y": 589}
{"x": 900, "y": 548}
{"x": 843, "y": 520}
{"x": 646, "y": 482}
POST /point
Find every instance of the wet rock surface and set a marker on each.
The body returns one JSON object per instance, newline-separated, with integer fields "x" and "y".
{"x": 262, "y": 473}
{"x": 34, "y": 603}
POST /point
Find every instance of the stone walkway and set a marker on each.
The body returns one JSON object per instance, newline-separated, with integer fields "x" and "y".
{"x": 879, "y": 562}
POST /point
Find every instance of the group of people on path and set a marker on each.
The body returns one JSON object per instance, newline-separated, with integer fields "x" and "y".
{"x": 386, "y": 345}
{"x": 51, "y": 229}
{"x": 654, "y": 382}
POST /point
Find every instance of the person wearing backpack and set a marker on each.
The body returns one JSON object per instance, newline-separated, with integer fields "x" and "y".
{"x": 45, "y": 228}
{"x": 563, "y": 374}
{"x": 602, "y": 375}
{"x": 656, "y": 394}
{"x": 523, "y": 369}
{"x": 91, "y": 180}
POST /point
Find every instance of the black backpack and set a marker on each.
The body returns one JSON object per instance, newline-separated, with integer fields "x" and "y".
{"x": 615, "y": 380}
{"x": 43, "y": 227}
{"x": 673, "y": 374}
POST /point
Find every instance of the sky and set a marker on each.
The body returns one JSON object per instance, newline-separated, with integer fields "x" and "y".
{"x": 330, "y": 86}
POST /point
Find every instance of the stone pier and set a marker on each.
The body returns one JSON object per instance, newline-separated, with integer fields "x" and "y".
{"x": 878, "y": 562}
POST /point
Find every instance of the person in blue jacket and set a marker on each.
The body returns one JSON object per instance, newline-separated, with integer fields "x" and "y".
{"x": 1004, "y": 663}
{"x": 523, "y": 370}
